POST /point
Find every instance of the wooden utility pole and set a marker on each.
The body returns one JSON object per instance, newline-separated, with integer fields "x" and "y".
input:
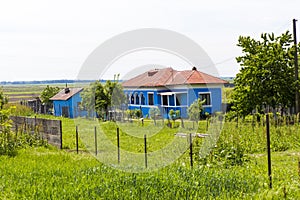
{"x": 296, "y": 67}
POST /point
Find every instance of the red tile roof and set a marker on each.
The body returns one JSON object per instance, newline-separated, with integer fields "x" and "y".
{"x": 63, "y": 95}
{"x": 169, "y": 76}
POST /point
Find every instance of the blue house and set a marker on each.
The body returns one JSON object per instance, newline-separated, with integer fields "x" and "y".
{"x": 67, "y": 103}
{"x": 171, "y": 89}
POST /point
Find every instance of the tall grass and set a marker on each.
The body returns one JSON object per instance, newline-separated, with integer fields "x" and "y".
{"x": 236, "y": 168}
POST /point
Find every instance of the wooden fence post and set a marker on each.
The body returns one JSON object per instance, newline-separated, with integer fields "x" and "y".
{"x": 191, "y": 150}
{"x": 96, "y": 150}
{"x": 118, "y": 141}
{"x": 269, "y": 150}
{"x": 77, "y": 139}
{"x": 61, "y": 139}
{"x": 145, "y": 143}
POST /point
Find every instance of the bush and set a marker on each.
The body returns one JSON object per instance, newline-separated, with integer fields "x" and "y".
{"x": 19, "y": 110}
{"x": 10, "y": 142}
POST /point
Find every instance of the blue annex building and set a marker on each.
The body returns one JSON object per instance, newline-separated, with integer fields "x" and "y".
{"x": 67, "y": 103}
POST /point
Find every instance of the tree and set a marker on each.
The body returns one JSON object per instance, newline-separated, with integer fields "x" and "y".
{"x": 154, "y": 112}
{"x": 98, "y": 97}
{"x": 267, "y": 75}
{"x": 47, "y": 93}
{"x": 195, "y": 109}
{"x": 88, "y": 98}
{"x": 3, "y": 99}
{"x": 174, "y": 114}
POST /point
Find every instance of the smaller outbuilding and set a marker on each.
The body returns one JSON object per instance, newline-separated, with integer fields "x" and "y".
{"x": 67, "y": 103}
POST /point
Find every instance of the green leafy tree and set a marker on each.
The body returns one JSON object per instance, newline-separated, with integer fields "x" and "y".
{"x": 154, "y": 112}
{"x": 88, "y": 97}
{"x": 47, "y": 93}
{"x": 98, "y": 97}
{"x": 174, "y": 114}
{"x": 195, "y": 109}
{"x": 267, "y": 74}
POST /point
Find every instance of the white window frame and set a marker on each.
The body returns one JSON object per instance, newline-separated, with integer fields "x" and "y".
{"x": 162, "y": 100}
{"x": 210, "y": 105}
{"x": 175, "y": 98}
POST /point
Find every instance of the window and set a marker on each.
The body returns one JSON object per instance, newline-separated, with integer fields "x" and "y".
{"x": 181, "y": 99}
{"x": 150, "y": 99}
{"x": 131, "y": 99}
{"x": 178, "y": 100}
{"x": 171, "y": 100}
{"x": 137, "y": 98}
{"x": 205, "y": 96}
{"x": 142, "y": 99}
{"x": 165, "y": 100}
{"x": 65, "y": 111}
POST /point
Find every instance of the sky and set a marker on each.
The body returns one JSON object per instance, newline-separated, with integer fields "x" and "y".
{"x": 46, "y": 40}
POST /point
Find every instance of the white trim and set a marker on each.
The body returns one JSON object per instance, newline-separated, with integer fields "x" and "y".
{"x": 165, "y": 93}
{"x": 171, "y": 93}
{"x": 175, "y": 100}
{"x": 185, "y": 106}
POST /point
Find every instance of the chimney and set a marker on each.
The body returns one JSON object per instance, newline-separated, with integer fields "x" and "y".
{"x": 151, "y": 73}
{"x": 67, "y": 90}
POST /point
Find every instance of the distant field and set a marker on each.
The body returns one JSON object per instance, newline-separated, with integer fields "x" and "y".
{"x": 24, "y": 92}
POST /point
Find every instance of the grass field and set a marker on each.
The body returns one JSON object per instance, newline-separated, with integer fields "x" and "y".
{"x": 49, "y": 173}
{"x": 235, "y": 167}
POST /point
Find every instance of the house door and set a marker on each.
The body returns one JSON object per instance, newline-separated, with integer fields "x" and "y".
{"x": 65, "y": 111}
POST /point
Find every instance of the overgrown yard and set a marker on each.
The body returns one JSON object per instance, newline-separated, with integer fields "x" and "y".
{"x": 236, "y": 167}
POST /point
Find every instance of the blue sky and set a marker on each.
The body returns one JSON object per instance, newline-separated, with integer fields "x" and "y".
{"x": 42, "y": 40}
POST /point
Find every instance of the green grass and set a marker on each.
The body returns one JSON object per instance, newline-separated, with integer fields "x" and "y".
{"x": 39, "y": 173}
{"x": 49, "y": 173}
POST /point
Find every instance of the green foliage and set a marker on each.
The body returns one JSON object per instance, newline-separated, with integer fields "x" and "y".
{"x": 235, "y": 169}
{"x": 137, "y": 113}
{"x": 154, "y": 112}
{"x": 195, "y": 109}
{"x": 174, "y": 114}
{"x": 3, "y": 98}
{"x": 227, "y": 94}
{"x": 47, "y": 93}
{"x": 267, "y": 73}
{"x": 63, "y": 175}
{"x": 19, "y": 110}
{"x": 11, "y": 142}
{"x": 98, "y": 97}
